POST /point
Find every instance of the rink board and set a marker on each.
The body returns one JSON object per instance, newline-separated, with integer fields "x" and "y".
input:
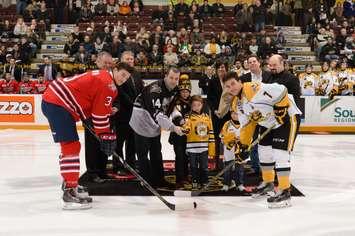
{"x": 319, "y": 113}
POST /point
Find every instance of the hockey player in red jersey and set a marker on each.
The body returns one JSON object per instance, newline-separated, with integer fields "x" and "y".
{"x": 85, "y": 96}
{"x": 9, "y": 85}
{"x": 40, "y": 85}
{"x": 26, "y": 85}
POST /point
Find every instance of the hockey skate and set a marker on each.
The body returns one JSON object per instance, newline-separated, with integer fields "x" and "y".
{"x": 264, "y": 189}
{"x": 225, "y": 188}
{"x": 72, "y": 200}
{"x": 81, "y": 191}
{"x": 281, "y": 199}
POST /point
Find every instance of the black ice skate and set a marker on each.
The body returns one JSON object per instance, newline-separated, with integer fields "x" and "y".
{"x": 263, "y": 190}
{"x": 82, "y": 192}
{"x": 281, "y": 199}
{"x": 71, "y": 200}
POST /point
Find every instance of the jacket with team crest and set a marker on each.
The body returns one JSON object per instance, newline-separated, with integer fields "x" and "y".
{"x": 199, "y": 133}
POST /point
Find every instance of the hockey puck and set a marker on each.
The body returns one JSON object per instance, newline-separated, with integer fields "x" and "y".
{"x": 195, "y": 205}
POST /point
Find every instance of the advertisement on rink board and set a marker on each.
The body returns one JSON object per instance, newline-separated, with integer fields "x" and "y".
{"x": 15, "y": 108}
{"x": 339, "y": 111}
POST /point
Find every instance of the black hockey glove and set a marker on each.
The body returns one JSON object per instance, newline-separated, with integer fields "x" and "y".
{"x": 108, "y": 143}
{"x": 241, "y": 152}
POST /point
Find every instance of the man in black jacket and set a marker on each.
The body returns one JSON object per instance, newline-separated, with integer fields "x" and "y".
{"x": 124, "y": 106}
{"x": 13, "y": 69}
{"x": 150, "y": 114}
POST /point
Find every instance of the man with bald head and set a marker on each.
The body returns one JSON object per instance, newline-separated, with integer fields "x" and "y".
{"x": 281, "y": 76}
{"x": 95, "y": 159}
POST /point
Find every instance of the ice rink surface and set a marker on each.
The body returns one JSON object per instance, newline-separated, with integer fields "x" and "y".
{"x": 323, "y": 168}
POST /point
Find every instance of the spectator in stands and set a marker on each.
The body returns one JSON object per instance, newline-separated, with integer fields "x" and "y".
{"x": 197, "y": 39}
{"x": 13, "y": 69}
{"x": 259, "y": 15}
{"x": 6, "y": 31}
{"x": 172, "y": 37}
{"x": 284, "y": 18}
{"x": 160, "y": 15}
{"x": 2, "y": 54}
{"x": 112, "y": 7}
{"x": 48, "y": 70}
{"x": 89, "y": 47}
{"x": 253, "y": 47}
{"x": 341, "y": 39}
{"x": 244, "y": 19}
{"x": 237, "y": 67}
{"x": 237, "y": 7}
{"x": 134, "y": 3}
{"x": 81, "y": 56}
{"x": 58, "y": 7}
{"x": 141, "y": 59}
{"x": 124, "y": 9}
{"x": 116, "y": 47}
{"x": 99, "y": 45}
{"x": 85, "y": 14}
{"x": 205, "y": 10}
{"x": 43, "y": 15}
{"x": 329, "y": 51}
{"x": 170, "y": 58}
{"x": 100, "y": 8}
{"x": 170, "y": 22}
{"x": 168, "y": 45}
{"x": 245, "y": 68}
{"x": 337, "y": 15}
{"x": 189, "y": 21}
{"x": 348, "y": 7}
{"x": 181, "y": 9}
{"x": 21, "y": 6}
{"x": 223, "y": 38}
{"x": 29, "y": 13}
{"x": 9, "y": 85}
{"x": 157, "y": 37}
{"x": 72, "y": 46}
{"x": 218, "y": 9}
{"x": 212, "y": 48}
{"x": 77, "y": 34}
{"x": 199, "y": 59}
{"x": 267, "y": 49}
{"x": 155, "y": 57}
{"x": 25, "y": 51}
{"x": 184, "y": 59}
{"x": 135, "y": 9}
{"x": 20, "y": 28}
{"x": 349, "y": 51}
{"x": 121, "y": 30}
{"x": 16, "y": 52}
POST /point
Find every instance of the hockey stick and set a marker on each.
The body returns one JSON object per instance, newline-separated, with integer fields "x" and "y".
{"x": 180, "y": 193}
{"x": 140, "y": 178}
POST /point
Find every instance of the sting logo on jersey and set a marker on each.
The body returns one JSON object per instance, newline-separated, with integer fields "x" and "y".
{"x": 17, "y": 109}
{"x": 201, "y": 129}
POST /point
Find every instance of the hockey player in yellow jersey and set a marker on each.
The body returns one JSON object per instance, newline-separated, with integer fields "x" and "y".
{"x": 268, "y": 105}
{"x": 308, "y": 81}
{"x": 200, "y": 141}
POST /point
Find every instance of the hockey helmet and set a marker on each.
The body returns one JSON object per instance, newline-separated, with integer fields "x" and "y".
{"x": 184, "y": 82}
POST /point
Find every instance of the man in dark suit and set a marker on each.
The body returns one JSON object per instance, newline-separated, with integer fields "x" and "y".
{"x": 48, "y": 70}
{"x": 256, "y": 74}
{"x": 124, "y": 106}
{"x": 213, "y": 98}
{"x": 13, "y": 69}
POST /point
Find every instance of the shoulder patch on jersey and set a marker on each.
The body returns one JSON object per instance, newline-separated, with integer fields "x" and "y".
{"x": 112, "y": 86}
{"x": 155, "y": 88}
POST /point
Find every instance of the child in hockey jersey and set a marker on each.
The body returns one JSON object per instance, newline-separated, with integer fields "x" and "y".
{"x": 181, "y": 109}
{"x": 235, "y": 175}
{"x": 200, "y": 141}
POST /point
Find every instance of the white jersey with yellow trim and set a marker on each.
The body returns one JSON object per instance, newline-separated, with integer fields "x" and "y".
{"x": 308, "y": 83}
{"x": 261, "y": 98}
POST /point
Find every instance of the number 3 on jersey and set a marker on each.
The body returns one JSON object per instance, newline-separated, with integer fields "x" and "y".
{"x": 108, "y": 101}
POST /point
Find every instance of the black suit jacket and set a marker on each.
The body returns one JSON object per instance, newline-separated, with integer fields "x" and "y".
{"x": 17, "y": 72}
{"x": 247, "y": 77}
{"x": 54, "y": 70}
{"x": 290, "y": 81}
{"x": 127, "y": 94}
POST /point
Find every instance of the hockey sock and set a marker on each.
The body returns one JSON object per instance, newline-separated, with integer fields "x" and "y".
{"x": 267, "y": 163}
{"x": 69, "y": 163}
{"x": 267, "y": 174}
{"x": 284, "y": 181}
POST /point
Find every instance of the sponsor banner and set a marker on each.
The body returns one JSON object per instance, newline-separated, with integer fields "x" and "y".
{"x": 17, "y": 109}
{"x": 322, "y": 111}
